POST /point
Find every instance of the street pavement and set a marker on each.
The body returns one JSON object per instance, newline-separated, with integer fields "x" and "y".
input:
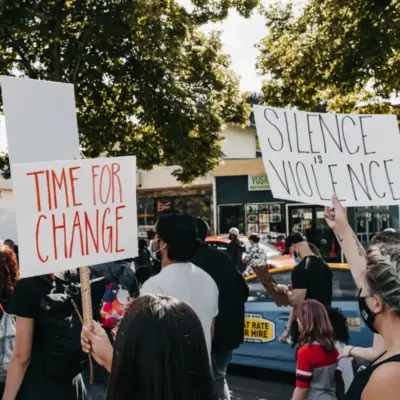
{"x": 248, "y": 383}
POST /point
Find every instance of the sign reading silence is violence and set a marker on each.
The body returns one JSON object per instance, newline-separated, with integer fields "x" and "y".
{"x": 309, "y": 156}
{"x": 75, "y": 213}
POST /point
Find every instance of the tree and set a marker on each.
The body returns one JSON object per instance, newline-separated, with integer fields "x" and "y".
{"x": 334, "y": 52}
{"x": 147, "y": 82}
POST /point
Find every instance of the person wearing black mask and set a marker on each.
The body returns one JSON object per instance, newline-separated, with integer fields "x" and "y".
{"x": 377, "y": 274}
{"x": 233, "y": 293}
{"x": 311, "y": 279}
{"x": 236, "y": 249}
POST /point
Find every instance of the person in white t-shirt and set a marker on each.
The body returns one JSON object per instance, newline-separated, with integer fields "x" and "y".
{"x": 175, "y": 243}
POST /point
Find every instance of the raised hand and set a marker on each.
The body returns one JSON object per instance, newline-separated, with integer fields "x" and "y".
{"x": 336, "y": 216}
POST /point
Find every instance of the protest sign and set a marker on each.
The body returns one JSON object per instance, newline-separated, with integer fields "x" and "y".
{"x": 267, "y": 280}
{"x": 75, "y": 213}
{"x": 40, "y": 120}
{"x": 310, "y": 156}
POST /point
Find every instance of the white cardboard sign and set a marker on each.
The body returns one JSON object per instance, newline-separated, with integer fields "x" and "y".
{"x": 75, "y": 213}
{"x": 310, "y": 156}
{"x": 40, "y": 120}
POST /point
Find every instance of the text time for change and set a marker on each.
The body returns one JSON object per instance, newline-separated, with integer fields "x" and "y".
{"x": 76, "y": 212}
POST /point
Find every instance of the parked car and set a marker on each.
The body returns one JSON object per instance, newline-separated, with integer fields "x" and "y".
{"x": 265, "y": 321}
{"x": 221, "y": 243}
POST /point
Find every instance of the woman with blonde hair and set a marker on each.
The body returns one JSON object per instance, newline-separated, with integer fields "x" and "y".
{"x": 377, "y": 274}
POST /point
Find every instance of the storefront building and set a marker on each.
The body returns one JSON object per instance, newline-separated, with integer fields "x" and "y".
{"x": 244, "y": 200}
{"x": 158, "y": 192}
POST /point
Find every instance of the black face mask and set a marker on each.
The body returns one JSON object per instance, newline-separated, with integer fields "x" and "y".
{"x": 367, "y": 315}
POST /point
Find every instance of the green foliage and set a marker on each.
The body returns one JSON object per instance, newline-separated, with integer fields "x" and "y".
{"x": 147, "y": 82}
{"x": 337, "y": 52}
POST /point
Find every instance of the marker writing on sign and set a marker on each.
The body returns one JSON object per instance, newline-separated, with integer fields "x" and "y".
{"x": 87, "y": 232}
{"x": 364, "y": 178}
{"x": 336, "y": 135}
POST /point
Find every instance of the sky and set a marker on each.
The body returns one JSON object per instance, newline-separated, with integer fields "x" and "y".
{"x": 239, "y": 36}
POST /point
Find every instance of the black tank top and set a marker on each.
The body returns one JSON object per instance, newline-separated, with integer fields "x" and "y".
{"x": 361, "y": 379}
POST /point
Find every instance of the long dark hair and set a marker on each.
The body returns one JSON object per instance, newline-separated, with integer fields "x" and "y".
{"x": 9, "y": 272}
{"x": 314, "y": 325}
{"x": 160, "y": 354}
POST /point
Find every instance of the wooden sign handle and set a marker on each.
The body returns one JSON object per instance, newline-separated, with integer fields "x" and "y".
{"x": 87, "y": 308}
{"x": 86, "y": 297}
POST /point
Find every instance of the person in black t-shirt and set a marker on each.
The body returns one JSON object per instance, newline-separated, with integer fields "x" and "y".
{"x": 311, "y": 278}
{"x": 233, "y": 293}
{"x": 27, "y": 378}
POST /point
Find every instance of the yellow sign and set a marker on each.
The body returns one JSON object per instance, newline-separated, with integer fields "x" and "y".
{"x": 354, "y": 324}
{"x": 257, "y": 329}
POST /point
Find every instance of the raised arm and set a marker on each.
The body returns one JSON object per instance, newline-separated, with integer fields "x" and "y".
{"x": 336, "y": 218}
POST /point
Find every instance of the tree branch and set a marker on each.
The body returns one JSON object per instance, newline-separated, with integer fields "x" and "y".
{"x": 80, "y": 57}
{"x": 55, "y": 48}
{"x": 25, "y": 62}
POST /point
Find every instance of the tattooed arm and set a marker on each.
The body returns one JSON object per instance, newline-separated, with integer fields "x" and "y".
{"x": 336, "y": 218}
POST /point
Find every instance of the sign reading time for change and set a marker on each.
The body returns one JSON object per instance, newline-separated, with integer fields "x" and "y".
{"x": 75, "y": 213}
{"x": 310, "y": 156}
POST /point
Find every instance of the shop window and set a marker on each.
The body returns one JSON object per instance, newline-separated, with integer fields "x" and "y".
{"x": 309, "y": 220}
{"x": 195, "y": 206}
{"x": 145, "y": 215}
{"x": 231, "y": 216}
{"x": 258, "y": 148}
{"x": 164, "y": 205}
{"x": 267, "y": 219}
{"x": 370, "y": 220}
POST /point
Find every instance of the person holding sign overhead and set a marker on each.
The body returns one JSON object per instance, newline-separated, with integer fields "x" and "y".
{"x": 377, "y": 274}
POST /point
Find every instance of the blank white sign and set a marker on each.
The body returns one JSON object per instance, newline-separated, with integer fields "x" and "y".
{"x": 40, "y": 118}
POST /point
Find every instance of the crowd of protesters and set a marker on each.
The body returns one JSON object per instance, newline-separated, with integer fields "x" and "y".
{"x": 166, "y": 323}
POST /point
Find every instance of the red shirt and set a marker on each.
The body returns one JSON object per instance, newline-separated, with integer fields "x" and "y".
{"x": 280, "y": 246}
{"x": 311, "y": 360}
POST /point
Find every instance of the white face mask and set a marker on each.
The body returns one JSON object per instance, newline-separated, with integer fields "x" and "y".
{"x": 296, "y": 258}
{"x": 155, "y": 254}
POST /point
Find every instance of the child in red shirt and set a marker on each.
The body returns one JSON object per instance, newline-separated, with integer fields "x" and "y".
{"x": 317, "y": 356}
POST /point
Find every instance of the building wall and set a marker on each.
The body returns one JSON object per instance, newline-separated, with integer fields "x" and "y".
{"x": 238, "y": 142}
{"x": 199, "y": 190}
{"x": 6, "y": 200}
{"x": 161, "y": 177}
{"x": 234, "y": 190}
{"x": 8, "y": 226}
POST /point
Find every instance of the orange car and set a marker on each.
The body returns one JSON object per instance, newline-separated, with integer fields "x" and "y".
{"x": 275, "y": 257}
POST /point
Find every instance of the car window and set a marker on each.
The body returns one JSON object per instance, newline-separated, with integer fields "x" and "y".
{"x": 284, "y": 278}
{"x": 257, "y": 290}
{"x": 343, "y": 285}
